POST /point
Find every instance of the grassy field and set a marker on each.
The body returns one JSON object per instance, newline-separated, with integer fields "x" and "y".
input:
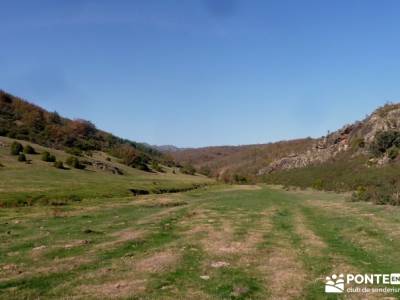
{"x": 40, "y": 181}
{"x": 218, "y": 242}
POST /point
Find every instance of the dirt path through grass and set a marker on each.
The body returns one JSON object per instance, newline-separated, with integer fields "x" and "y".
{"x": 219, "y": 243}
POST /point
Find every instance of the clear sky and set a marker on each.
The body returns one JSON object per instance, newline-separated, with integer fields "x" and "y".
{"x": 204, "y": 72}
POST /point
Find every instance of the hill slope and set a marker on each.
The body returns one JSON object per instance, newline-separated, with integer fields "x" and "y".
{"x": 39, "y": 182}
{"x": 225, "y": 162}
{"x": 362, "y": 156}
{"x": 25, "y": 121}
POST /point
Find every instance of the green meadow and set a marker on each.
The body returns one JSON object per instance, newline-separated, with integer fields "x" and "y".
{"x": 37, "y": 181}
{"x": 215, "y": 242}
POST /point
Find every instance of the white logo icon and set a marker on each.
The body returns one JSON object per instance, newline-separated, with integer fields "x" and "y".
{"x": 334, "y": 284}
{"x": 395, "y": 278}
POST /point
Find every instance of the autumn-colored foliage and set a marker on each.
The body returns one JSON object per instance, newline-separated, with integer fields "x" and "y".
{"x": 25, "y": 121}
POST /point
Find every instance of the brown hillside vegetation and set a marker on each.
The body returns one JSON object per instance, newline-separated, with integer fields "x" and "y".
{"x": 225, "y": 162}
{"x": 22, "y": 120}
{"x": 361, "y": 157}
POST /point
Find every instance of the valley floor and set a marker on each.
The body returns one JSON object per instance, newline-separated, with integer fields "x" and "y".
{"x": 221, "y": 242}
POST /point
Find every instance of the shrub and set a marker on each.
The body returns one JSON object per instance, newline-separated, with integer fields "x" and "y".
{"x": 240, "y": 179}
{"x": 393, "y": 153}
{"x": 395, "y": 198}
{"x": 360, "y": 194}
{"x": 205, "y": 170}
{"x": 384, "y": 141}
{"x": 21, "y": 157}
{"x": 70, "y": 161}
{"x": 59, "y": 165}
{"x": 358, "y": 143}
{"x": 156, "y": 166}
{"x": 74, "y": 198}
{"x": 138, "y": 162}
{"x": 381, "y": 197}
{"x": 188, "y": 169}
{"x": 28, "y": 149}
{"x": 74, "y": 151}
{"x": 142, "y": 167}
{"x": 46, "y": 156}
{"x": 16, "y": 148}
{"x": 74, "y": 163}
{"x": 318, "y": 184}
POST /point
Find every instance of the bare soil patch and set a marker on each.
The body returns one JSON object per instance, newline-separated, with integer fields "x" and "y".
{"x": 220, "y": 241}
{"x": 160, "y": 202}
{"x": 121, "y": 236}
{"x": 242, "y": 187}
{"x": 285, "y": 276}
{"x": 157, "y": 262}
{"x": 128, "y": 234}
{"x": 312, "y": 242}
{"x": 112, "y": 290}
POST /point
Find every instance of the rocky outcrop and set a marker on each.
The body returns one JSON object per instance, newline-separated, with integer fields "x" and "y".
{"x": 104, "y": 167}
{"x": 357, "y": 136}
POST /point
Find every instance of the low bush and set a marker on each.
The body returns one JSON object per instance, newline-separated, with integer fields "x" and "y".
{"x": 384, "y": 141}
{"x": 380, "y": 185}
{"x": 393, "y": 153}
{"x": 21, "y": 157}
{"x": 75, "y": 163}
{"x": 318, "y": 184}
{"x": 360, "y": 194}
{"x": 74, "y": 151}
{"x": 381, "y": 196}
{"x": 156, "y": 167}
{"x": 358, "y": 143}
{"x": 28, "y": 149}
{"x": 46, "y": 156}
{"x": 59, "y": 165}
{"x": 240, "y": 179}
{"x": 205, "y": 170}
{"x": 188, "y": 169}
{"x": 16, "y": 148}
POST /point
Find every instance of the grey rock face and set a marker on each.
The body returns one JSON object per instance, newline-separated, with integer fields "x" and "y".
{"x": 386, "y": 118}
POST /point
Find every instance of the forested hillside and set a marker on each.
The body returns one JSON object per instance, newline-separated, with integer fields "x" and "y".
{"x": 22, "y": 120}
{"x": 238, "y": 163}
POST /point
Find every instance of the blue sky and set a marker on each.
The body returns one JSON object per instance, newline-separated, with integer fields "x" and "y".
{"x": 204, "y": 72}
